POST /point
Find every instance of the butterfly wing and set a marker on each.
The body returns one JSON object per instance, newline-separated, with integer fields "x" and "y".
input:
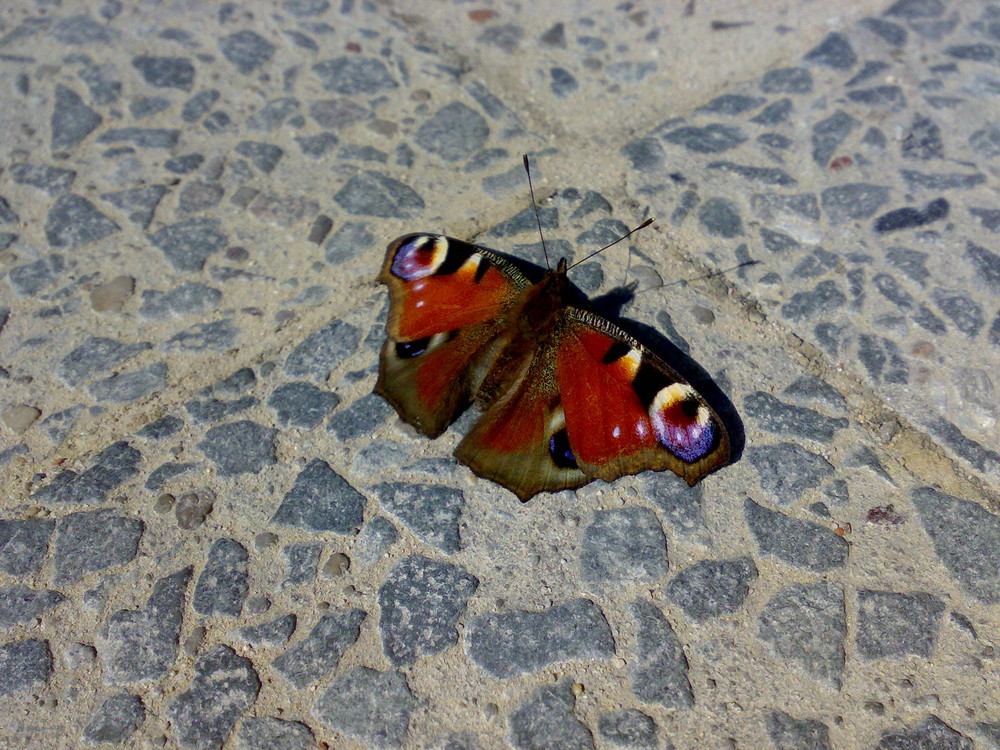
{"x": 448, "y": 301}
{"x": 627, "y": 410}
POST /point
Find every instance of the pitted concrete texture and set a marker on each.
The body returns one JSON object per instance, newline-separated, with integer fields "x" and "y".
{"x": 213, "y": 535}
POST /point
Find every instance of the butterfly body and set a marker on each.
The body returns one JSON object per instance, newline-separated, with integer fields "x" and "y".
{"x": 567, "y": 396}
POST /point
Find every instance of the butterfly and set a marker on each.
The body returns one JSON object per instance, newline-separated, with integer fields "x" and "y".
{"x": 567, "y": 395}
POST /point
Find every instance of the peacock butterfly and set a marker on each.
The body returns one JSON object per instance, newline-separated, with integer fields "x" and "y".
{"x": 567, "y": 395}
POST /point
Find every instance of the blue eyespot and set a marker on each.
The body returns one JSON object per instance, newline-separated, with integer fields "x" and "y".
{"x": 559, "y": 450}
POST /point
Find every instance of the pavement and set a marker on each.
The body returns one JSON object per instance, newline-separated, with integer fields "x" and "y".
{"x": 213, "y": 535}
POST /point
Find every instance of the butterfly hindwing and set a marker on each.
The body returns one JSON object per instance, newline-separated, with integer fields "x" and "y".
{"x": 627, "y": 410}
{"x": 448, "y": 299}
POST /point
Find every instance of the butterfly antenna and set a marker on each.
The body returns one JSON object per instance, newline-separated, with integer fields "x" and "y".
{"x": 538, "y": 221}
{"x": 713, "y": 274}
{"x": 644, "y": 224}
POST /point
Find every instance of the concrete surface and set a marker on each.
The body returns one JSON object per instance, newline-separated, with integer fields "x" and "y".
{"x": 213, "y": 535}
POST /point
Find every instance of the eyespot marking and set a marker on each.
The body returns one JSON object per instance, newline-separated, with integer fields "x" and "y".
{"x": 683, "y": 425}
{"x": 419, "y": 257}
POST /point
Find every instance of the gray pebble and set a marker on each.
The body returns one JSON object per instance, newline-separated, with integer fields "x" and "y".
{"x": 317, "y": 356}
{"x": 19, "y": 605}
{"x": 803, "y": 544}
{"x": 31, "y": 278}
{"x": 95, "y": 356}
{"x": 225, "y": 685}
{"x": 890, "y": 98}
{"x": 818, "y": 302}
{"x": 24, "y": 665}
{"x": 90, "y": 541}
{"x": 374, "y": 194}
{"x": 72, "y": 120}
{"x": 453, "y": 132}
{"x": 712, "y": 588}
{"x": 117, "y": 719}
{"x": 24, "y": 544}
{"x": 321, "y": 500}
{"x": 562, "y": 83}
{"x": 987, "y": 264}
{"x": 710, "y": 139}
{"x": 774, "y": 113}
{"x": 759, "y": 175}
{"x": 941, "y": 181}
{"x": 680, "y": 504}
{"x": 82, "y": 29}
{"x": 166, "y": 472}
{"x": 420, "y": 601}
{"x": 242, "y": 447}
{"x": 316, "y": 655}
{"x": 622, "y": 546}
{"x": 264, "y": 156}
{"x": 142, "y": 137}
{"x": 350, "y": 240}
{"x": 806, "y": 624}
{"x": 545, "y": 719}
{"x": 187, "y": 244}
{"x": 806, "y": 734}
{"x": 270, "y": 634}
{"x": 777, "y": 242}
{"x": 275, "y": 734}
{"x": 961, "y": 309}
{"x": 371, "y": 706}
{"x": 628, "y": 728}
{"x": 354, "y": 75}
{"x": 223, "y": 585}
{"x": 508, "y": 644}
{"x": 166, "y": 72}
{"x": 73, "y": 221}
{"x": 929, "y": 733}
{"x": 246, "y": 50}
{"x": 163, "y": 427}
{"x": 720, "y": 217}
{"x": 139, "y": 203}
{"x": 301, "y": 562}
{"x": 882, "y": 359}
{"x": 834, "y": 51}
{"x": 792, "y": 421}
{"x": 659, "y": 669}
{"x": 892, "y": 624}
{"x": 983, "y": 459}
{"x": 123, "y": 388}
{"x": 301, "y": 404}
{"x": 111, "y": 467}
{"x": 216, "y": 336}
{"x": 787, "y": 81}
{"x": 184, "y": 164}
{"x": 189, "y": 298}
{"x": 787, "y": 470}
{"x": 199, "y": 105}
{"x": 375, "y": 539}
{"x": 430, "y": 511}
{"x": 852, "y": 202}
{"x": 359, "y": 419}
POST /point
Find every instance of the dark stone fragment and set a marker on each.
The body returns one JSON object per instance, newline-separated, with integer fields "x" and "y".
{"x": 246, "y": 50}
{"x": 891, "y": 624}
{"x": 142, "y": 644}
{"x": 148, "y": 106}
{"x": 875, "y": 353}
{"x": 139, "y": 203}
{"x": 263, "y": 155}
{"x": 52, "y": 180}
{"x": 242, "y": 447}
{"x": 984, "y": 53}
{"x": 82, "y": 29}
{"x": 787, "y": 732}
{"x": 301, "y": 562}
{"x": 430, "y": 511}
{"x": 216, "y": 336}
{"x": 184, "y": 164}
{"x": 891, "y": 32}
{"x": 72, "y": 120}
{"x": 214, "y": 410}
{"x": 806, "y": 624}
{"x": 223, "y": 585}
{"x": 225, "y": 685}
{"x": 505, "y": 36}
{"x": 686, "y": 203}
{"x": 91, "y": 541}
{"x": 733, "y": 104}
{"x": 563, "y": 83}
{"x": 370, "y": 706}
{"x": 828, "y": 134}
{"x": 317, "y": 356}
{"x": 961, "y": 309}
{"x": 199, "y": 104}
{"x": 274, "y": 114}
{"x": 622, "y": 546}
{"x": 321, "y": 500}
{"x": 913, "y": 263}
{"x": 316, "y": 655}
{"x": 525, "y": 221}
{"x": 164, "y": 473}
{"x": 334, "y": 114}
{"x": 19, "y": 605}
{"x": 166, "y": 72}
{"x": 710, "y": 139}
{"x": 306, "y": 8}
{"x": 23, "y": 545}
{"x": 916, "y": 9}
{"x": 871, "y": 69}
{"x": 275, "y": 734}
{"x": 187, "y": 299}
{"x": 930, "y": 734}
{"x": 645, "y": 155}
{"x": 24, "y": 665}
{"x": 908, "y": 217}
{"x": 545, "y": 719}
{"x": 31, "y": 278}
{"x": 923, "y": 141}
{"x": 774, "y": 140}
{"x": 712, "y": 588}
{"x": 188, "y": 244}
{"x": 7, "y": 214}
{"x": 778, "y": 207}
{"x": 787, "y": 470}
{"x": 720, "y": 217}
{"x": 301, "y": 404}
{"x": 800, "y": 543}
{"x": 94, "y": 356}
{"x": 946, "y": 181}
{"x": 986, "y": 142}
{"x": 995, "y": 331}
{"x": 851, "y": 202}
{"x": 834, "y": 51}
{"x": 125, "y": 387}
{"x": 603, "y": 232}
{"x": 73, "y": 221}
{"x": 420, "y": 601}
{"x": 989, "y": 217}
{"x": 373, "y": 194}
{"x": 116, "y": 720}
{"x": 821, "y": 301}
{"x": 987, "y": 264}
{"x": 762, "y": 175}
{"x": 511, "y": 643}
{"x": 354, "y": 75}
{"x": 774, "y": 113}
{"x": 659, "y": 669}
{"x": 219, "y": 122}
{"x": 966, "y": 538}
{"x": 271, "y": 634}
{"x": 360, "y": 418}
{"x": 317, "y": 145}
{"x": 628, "y": 728}
{"x": 888, "y": 97}
{"x": 142, "y": 137}
{"x": 893, "y": 291}
{"x": 816, "y": 263}
{"x": 111, "y": 467}
{"x": 349, "y": 241}
{"x": 555, "y": 36}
